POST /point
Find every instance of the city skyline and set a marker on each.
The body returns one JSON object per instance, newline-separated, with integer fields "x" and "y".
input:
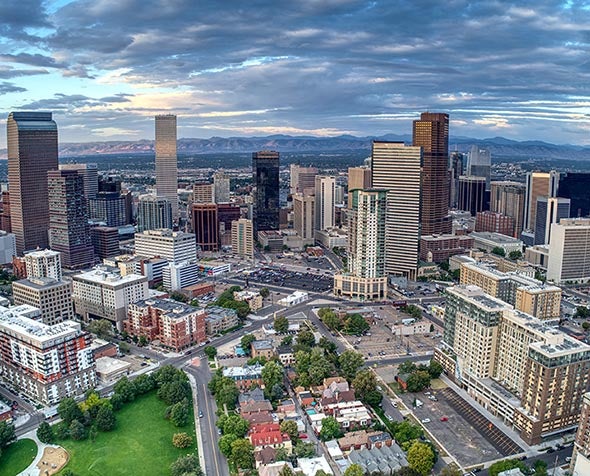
{"x": 310, "y": 68}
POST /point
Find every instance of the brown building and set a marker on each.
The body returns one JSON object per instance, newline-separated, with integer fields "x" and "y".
{"x": 494, "y": 222}
{"x": 580, "y": 464}
{"x": 105, "y": 240}
{"x": 206, "y": 225}
{"x": 439, "y": 248}
{"x": 32, "y": 152}
{"x": 508, "y": 199}
{"x": 431, "y": 132}
{"x": 5, "y": 214}
{"x": 226, "y": 214}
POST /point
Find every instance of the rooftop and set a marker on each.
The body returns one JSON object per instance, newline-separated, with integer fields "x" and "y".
{"x": 497, "y": 237}
{"x": 13, "y": 322}
{"x": 108, "y": 275}
{"x": 477, "y": 296}
{"x": 41, "y": 283}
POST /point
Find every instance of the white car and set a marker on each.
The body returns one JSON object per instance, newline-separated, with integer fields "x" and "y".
{"x": 425, "y": 420}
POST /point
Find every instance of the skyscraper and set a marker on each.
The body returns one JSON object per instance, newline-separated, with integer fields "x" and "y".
{"x": 68, "y": 219}
{"x": 301, "y": 178}
{"x": 166, "y": 161}
{"x": 265, "y": 168}
{"x": 472, "y": 193}
{"x": 538, "y": 184}
{"x": 431, "y": 132}
{"x": 324, "y": 202}
{"x": 206, "y": 226}
{"x": 153, "y": 213}
{"x": 242, "y": 238}
{"x": 455, "y": 171}
{"x": 221, "y": 187}
{"x": 575, "y": 187}
{"x": 549, "y": 211}
{"x": 480, "y": 164}
{"x": 508, "y": 199}
{"x": 304, "y": 217}
{"x": 89, "y": 173}
{"x": 32, "y": 152}
{"x": 396, "y": 168}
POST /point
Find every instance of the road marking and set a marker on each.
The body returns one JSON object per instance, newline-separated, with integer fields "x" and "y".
{"x": 210, "y": 427}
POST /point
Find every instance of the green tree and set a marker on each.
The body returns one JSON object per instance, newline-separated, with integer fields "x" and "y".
{"x": 117, "y": 402}
{"x": 332, "y": 321}
{"x": 77, "y": 431}
{"x": 421, "y": 458}
{"x": 233, "y": 424}
{"x": 354, "y": 470}
{"x": 355, "y": 324}
{"x": 281, "y": 455}
{"x": 418, "y": 381}
{"x": 144, "y": 383}
{"x": 305, "y": 339}
{"x": 505, "y": 465}
{"x": 286, "y": 471}
{"x": 413, "y": 311}
{"x": 7, "y": 434}
{"x": 450, "y": 471}
{"x": 225, "y": 443}
{"x": 264, "y": 292}
{"x": 210, "y": 351}
{"x": 405, "y": 431}
{"x": 276, "y": 392}
{"x": 68, "y": 410}
{"x": 406, "y": 471}
{"x": 182, "y": 440}
{"x": 350, "y": 362}
{"x": 407, "y": 367}
{"x": 434, "y": 369}
{"x": 242, "y": 454}
{"x": 68, "y": 472}
{"x": 582, "y": 312}
{"x": 45, "y": 433}
{"x": 329, "y": 346}
{"x": 281, "y": 324}
{"x": 304, "y": 450}
{"x": 287, "y": 340}
{"x": 499, "y": 251}
{"x": 61, "y": 430}
{"x": 272, "y": 374}
{"x": 330, "y": 429}
{"x": 246, "y": 342}
{"x": 515, "y": 255}
{"x": 320, "y": 367}
{"x": 540, "y": 468}
{"x": 105, "y": 418}
{"x": 186, "y": 465}
{"x": 101, "y": 328}
{"x": 228, "y": 395}
{"x": 179, "y": 413}
{"x": 290, "y": 427}
{"x": 585, "y": 325}
{"x": 125, "y": 388}
{"x": 92, "y": 403}
{"x": 178, "y": 296}
{"x": 124, "y": 347}
{"x": 92, "y": 433}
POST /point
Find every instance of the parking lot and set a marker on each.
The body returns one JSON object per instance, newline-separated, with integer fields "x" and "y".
{"x": 466, "y": 434}
{"x": 304, "y": 280}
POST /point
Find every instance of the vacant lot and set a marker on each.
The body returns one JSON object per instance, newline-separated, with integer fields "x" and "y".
{"x": 17, "y": 457}
{"x": 141, "y": 444}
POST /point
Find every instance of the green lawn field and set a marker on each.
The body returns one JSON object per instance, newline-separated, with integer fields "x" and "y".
{"x": 141, "y": 443}
{"x": 17, "y": 457}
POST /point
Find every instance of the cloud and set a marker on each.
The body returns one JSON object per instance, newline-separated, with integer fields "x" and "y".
{"x": 6, "y": 88}
{"x": 32, "y": 59}
{"x": 7, "y": 72}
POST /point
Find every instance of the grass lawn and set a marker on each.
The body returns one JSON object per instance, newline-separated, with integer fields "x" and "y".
{"x": 17, "y": 457}
{"x": 141, "y": 444}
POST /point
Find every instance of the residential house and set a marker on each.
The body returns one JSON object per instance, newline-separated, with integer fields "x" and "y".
{"x": 353, "y": 440}
{"x": 378, "y": 439}
{"x": 259, "y": 418}
{"x": 269, "y": 434}
{"x": 286, "y": 406}
{"x": 262, "y": 348}
{"x": 220, "y": 319}
{"x": 336, "y": 390}
{"x": 310, "y": 466}
{"x": 350, "y": 415}
{"x": 386, "y": 459}
{"x": 255, "y": 407}
{"x": 246, "y": 376}
{"x": 266, "y": 455}
{"x": 286, "y": 355}
{"x": 255, "y": 395}
{"x": 304, "y": 396}
{"x": 273, "y": 469}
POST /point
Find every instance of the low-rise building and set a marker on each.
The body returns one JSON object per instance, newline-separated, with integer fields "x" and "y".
{"x": 332, "y": 237}
{"x": 244, "y": 377}
{"x": 293, "y": 299}
{"x": 488, "y": 241}
{"x": 386, "y": 460}
{"x": 253, "y": 299}
{"x": 109, "y": 369}
{"x": 220, "y": 319}
{"x": 269, "y": 434}
{"x": 286, "y": 355}
{"x": 262, "y": 348}
{"x": 439, "y": 248}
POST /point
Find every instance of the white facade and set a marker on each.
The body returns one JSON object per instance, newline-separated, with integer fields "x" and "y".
{"x": 242, "y": 238}
{"x": 175, "y": 246}
{"x": 43, "y": 264}
{"x": 324, "y": 202}
{"x": 488, "y": 241}
{"x": 569, "y": 251}
{"x": 7, "y": 247}
{"x": 177, "y": 276}
{"x": 293, "y": 299}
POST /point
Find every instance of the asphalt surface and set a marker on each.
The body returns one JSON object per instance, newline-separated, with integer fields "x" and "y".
{"x": 557, "y": 458}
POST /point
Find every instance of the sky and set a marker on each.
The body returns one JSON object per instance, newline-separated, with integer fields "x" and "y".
{"x": 300, "y": 67}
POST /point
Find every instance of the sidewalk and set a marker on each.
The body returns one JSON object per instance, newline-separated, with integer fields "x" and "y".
{"x": 193, "y": 383}
{"x": 32, "y": 469}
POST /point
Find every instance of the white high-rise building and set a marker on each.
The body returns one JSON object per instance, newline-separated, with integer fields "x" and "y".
{"x": 175, "y": 246}
{"x": 242, "y": 238}
{"x": 221, "y": 187}
{"x": 166, "y": 161}
{"x": 324, "y": 202}
{"x": 153, "y": 213}
{"x": 304, "y": 217}
{"x": 569, "y": 251}
{"x": 397, "y": 169}
{"x": 7, "y": 247}
{"x": 43, "y": 264}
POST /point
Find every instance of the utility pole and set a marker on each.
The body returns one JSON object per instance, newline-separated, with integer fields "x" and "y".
{"x": 555, "y": 465}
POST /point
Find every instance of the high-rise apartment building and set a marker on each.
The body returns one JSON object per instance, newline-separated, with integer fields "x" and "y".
{"x": 396, "y": 168}
{"x": 221, "y": 187}
{"x": 324, "y": 202}
{"x": 7, "y": 247}
{"x": 301, "y": 178}
{"x": 89, "y": 173}
{"x": 480, "y": 164}
{"x": 575, "y": 187}
{"x": 304, "y": 217}
{"x": 68, "y": 219}
{"x": 242, "y": 234}
{"x": 52, "y": 297}
{"x": 549, "y": 211}
{"x": 175, "y": 246}
{"x": 206, "y": 225}
{"x": 45, "y": 362}
{"x": 508, "y": 198}
{"x": 265, "y": 168}
{"x": 538, "y": 184}
{"x": 431, "y": 132}
{"x": 366, "y": 248}
{"x": 166, "y": 161}
{"x": 153, "y": 213}
{"x": 472, "y": 194}
{"x": 580, "y": 464}
{"x": 569, "y": 251}
{"x": 32, "y": 152}
{"x": 109, "y": 208}
{"x": 43, "y": 264}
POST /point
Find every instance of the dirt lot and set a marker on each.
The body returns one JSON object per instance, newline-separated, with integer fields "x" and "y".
{"x": 52, "y": 461}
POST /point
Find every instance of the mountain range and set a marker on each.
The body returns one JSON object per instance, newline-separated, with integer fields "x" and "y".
{"x": 498, "y": 146}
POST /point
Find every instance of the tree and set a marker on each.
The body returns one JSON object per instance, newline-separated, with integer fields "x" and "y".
{"x": 286, "y": 471}
{"x": 124, "y": 347}
{"x": 272, "y": 374}
{"x": 117, "y": 402}
{"x": 304, "y": 450}
{"x": 332, "y": 321}
{"x": 68, "y": 410}
{"x": 540, "y": 468}
{"x": 418, "y": 381}
{"x": 582, "y": 312}
{"x": 68, "y": 472}
{"x": 290, "y": 427}
{"x": 246, "y": 342}
{"x": 330, "y": 429}
{"x": 514, "y": 255}
{"x": 405, "y": 431}
{"x": 233, "y": 425}
{"x": 92, "y": 403}
{"x": 320, "y": 367}
{"x": 210, "y": 351}
{"x": 434, "y": 369}
{"x": 406, "y": 471}
{"x": 178, "y": 296}
{"x": 407, "y": 367}
{"x": 242, "y": 454}
{"x": 505, "y": 465}
{"x": 179, "y": 413}
{"x": 281, "y": 454}
{"x": 281, "y": 324}
{"x": 182, "y": 440}
{"x": 499, "y": 251}
{"x": 355, "y": 324}
{"x": 105, "y": 418}
{"x": 287, "y": 340}
{"x": 125, "y": 388}
{"x": 144, "y": 383}
{"x": 450, "y": 471}
{"x": 305, "y": 339}
{"x": 194, "y": 303}
{"x": 185, "y": 465}
{"x": 45, "y": 433}
{"x": 413, "y": 311}
{"x": 264, "y": 292}
{"x": 225, "y": 443}
{"x": 7, "y": 434}
{"x": 329, "y": 346}
{"x": 354, "y": 470}
{"x": 77, "y": 431}
{"x": 61, "y": 430}
{"x": 350, "y": 362}
{"x": 92, "y": 433}
{"x": 276, "y": 392}
{"x": 101, "y": 327}
{"x": 421, "y": 458}
{"x": 175, "y": 391}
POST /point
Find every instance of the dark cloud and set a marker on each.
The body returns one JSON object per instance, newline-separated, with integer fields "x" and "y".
{"x": 6, "y": 87}
{"x": 7, "y": 72}
{"x": 33, "y": 60}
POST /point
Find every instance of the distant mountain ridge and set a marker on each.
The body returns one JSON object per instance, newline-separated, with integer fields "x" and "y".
{"x": 498, "y": 146}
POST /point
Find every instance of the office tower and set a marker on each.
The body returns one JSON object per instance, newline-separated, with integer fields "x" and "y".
{"x": 221, "y": 187}
{"x": 109, "y": 208}
{"x": 359, "y": 178}
{"x": 166, "y": 161}
{"x": 472, "y": 194}
{"x": 89, "y": 173}
{"x": 455, "y": 171}
{"x": 175, "y": 246}
{"x": 32, "y": 152}
{"x": 7, "y": 247}
{"x": 68, "y": 219}
{"x": 575, "y": 187}
{"x": 480, "y": 164}
{"x": 105, "y": 241}
{"x": 43, "y": 264}
{"x": 538, "y": 184}
{"x": 45, "y": 362}
{"x": 301, "y": 178}
{"x": 549, "y": 211}
{"x": 103, "y": 293}
{"x": 242, "y": 234}
{"x": 580, "y": 464}
{"x": 396, "y": 168}
{"x": 265, "y": 168}
{"x": 206, "y": 225}
{"x": 181, "y": 275}
{"x": 153, "y": 213}
{"x": 508, "y": 198}
{"x": 366, "y": 247}
{"x": 569, "y": 251}
{"x": 431, "y": 132}
{"x": 5, "y": 223}
{"x": 304, "y": 217}
{"x": 324, "y": 202}
{"x": 52, "y": 297}
{"x": 203, "y": 192}
{"x": 494, "y": 222}
{"x": 227, "y": 213}
{"x": 339, "y": 195}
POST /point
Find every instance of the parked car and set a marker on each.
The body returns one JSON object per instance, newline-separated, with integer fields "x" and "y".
{"x": 425, "y": 420}
{"x": 444, "y": 418}
{"x": 200, "y": 414}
